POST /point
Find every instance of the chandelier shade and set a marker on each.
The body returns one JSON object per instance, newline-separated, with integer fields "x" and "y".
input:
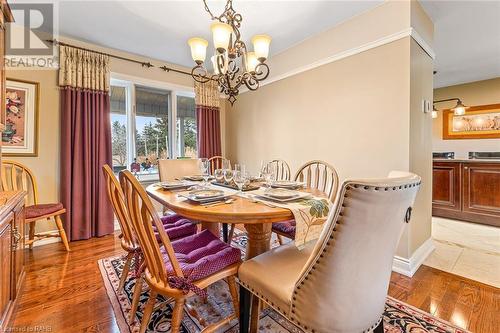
{"x": 221, "y": 33}
{"x": 198, "y": 49}
{"x": 261, "y": 46}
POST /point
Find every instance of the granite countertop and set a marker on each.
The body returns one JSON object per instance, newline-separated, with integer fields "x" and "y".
{"x": 476, "y": 160}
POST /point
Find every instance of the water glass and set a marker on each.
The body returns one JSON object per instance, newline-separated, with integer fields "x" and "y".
{"x": 219, "y": 175}
{"x": 205, "y": 170}
{"x": 228, "y": 176}
{"x": 239, "y": 178}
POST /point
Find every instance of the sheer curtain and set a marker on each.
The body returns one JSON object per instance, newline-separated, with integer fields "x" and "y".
{"x": 208, "y": 119}
{"x": 85, "y": 142}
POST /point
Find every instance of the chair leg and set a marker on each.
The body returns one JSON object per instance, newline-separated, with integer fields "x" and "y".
{"x": 233, "y": 290}
{"x": 280, "y": 239}
{"x": 135, "y": 299}
{"x": 379, "y": 328}
{"x": 32, "y": 234}
{"x": 125, "y": 271}
{"x": 245, "y": 298}
{"x": 224, "y": 232}
{"x": 231, "y": 233}
{"x": 177, "y": 315}
{"x": 62, "y": 233}
{"x": 255, "y": 314}
{"x": 148, "y": 310}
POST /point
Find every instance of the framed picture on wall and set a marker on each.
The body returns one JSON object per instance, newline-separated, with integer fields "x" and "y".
{"x": 478, "y": 122}
{"x": 20, "y": 135}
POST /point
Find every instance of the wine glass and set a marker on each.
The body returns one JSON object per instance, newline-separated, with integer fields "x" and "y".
{"x": 267, "y": 172}
{"x": 226, "y": 164}
{"x": 239, "y": 178}
{"x": 228, "y": 176}
{"x": 219, "y": 175}
{"x": 205, "y": 170}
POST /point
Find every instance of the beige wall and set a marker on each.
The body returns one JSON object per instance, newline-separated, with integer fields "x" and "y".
{"x": 338, "y": 112}
{"x": 349, "y": 113}
{"x": 472, "y": 94}
{"x": 46, "y": 165}
{"x": 362, "y": 113}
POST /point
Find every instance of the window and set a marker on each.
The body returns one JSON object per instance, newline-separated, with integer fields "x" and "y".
{"x": 144, "y": 119}
{"x": 186, "y": 127}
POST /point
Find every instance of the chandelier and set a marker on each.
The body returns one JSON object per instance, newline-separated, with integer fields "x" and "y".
{"x": 233, "y": 64}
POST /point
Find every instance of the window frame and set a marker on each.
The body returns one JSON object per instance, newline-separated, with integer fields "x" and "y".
{"x": 129, "y": 83}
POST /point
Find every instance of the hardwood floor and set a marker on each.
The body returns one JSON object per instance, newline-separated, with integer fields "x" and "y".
{"x": 63, "y": 292}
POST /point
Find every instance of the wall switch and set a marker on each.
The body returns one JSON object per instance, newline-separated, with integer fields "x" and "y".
{"x": 426, "y": 106}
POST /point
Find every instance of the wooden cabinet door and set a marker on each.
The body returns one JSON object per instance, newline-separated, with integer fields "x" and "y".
{"x": 481, "y": 191}
{"x": 18, "y": 248}
{"x": 446, "y": 185}
{"x": 5, "y": 270}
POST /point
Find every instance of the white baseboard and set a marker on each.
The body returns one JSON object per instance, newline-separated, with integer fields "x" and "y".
{"x": 409, "y": 266}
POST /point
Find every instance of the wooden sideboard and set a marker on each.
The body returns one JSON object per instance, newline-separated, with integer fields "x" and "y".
{"x": 467, "y": 190}
{"x": 12, "y": 252}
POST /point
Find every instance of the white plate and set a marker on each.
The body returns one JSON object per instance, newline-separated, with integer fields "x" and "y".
{"x": 206, "y": 194}
{"x": 197, "y": 178}
{"x": 298, "y": 195}
{"x": 286, "y": 184}
{"x": 175, "y": 184}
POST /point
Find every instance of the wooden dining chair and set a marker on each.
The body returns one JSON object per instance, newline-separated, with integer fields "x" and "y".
{"x": 338, "y": 283}
{"x": 16, "y": 176}
{"x": 317, "y": 175}
{"x": 178, "y": 168}
{"x": 176, "y": 227}
{"x": 281, "y": 169}
{"x": 216, "y": 162}
{"x": 179, "y": 269}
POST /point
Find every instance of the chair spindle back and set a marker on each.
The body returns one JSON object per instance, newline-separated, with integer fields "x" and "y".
{"x": 117, "y": 199}
{"x": 319, "y": 175}
{"x": 143, "y": 217}
{"x": 216, "y": 162}
{"x": 281, "y": 168}
{"x": 18, "y": 177}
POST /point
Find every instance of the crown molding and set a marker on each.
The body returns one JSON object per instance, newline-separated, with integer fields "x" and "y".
{"x": 409, "y": 32}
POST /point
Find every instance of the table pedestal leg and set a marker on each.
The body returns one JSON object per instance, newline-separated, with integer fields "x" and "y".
{"x": 213, "y": 227}
{"x": 259, "y": 239}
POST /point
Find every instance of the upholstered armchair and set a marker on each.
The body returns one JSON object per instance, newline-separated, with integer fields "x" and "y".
{"x": 338, "y": 283}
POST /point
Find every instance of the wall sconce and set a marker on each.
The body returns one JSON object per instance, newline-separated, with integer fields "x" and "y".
{"x": 434, "y": 112}
{"x": 458, "y": 110}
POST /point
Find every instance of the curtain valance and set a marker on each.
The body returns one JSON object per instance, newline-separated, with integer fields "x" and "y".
{"x": 207, "y": 94}
{"x": 83, "y": 69}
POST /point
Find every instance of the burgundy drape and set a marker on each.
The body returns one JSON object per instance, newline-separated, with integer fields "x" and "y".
{"x": 208, "y": 126}
{"x": 85, "y": 147}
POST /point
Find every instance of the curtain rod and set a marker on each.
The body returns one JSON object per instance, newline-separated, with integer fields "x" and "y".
{"x": 143, "y": 64}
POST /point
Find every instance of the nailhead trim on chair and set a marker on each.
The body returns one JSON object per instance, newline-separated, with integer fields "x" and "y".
{"x": 328, "y": 243}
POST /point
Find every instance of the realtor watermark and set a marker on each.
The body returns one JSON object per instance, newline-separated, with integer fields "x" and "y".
{"x": 27, "y": 40}
{"x": 20, "y": 329}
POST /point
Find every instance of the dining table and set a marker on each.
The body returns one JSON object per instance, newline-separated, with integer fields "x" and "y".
{"x": 256, "y": 216}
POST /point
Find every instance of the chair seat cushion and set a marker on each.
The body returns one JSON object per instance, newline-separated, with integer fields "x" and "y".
{"x": 273, "y": 274}
{"x": 286, "y": 228}
{"x": 42, "y": 209}
{"x": 176, "y": 227}
{"x": 201, "y": 255}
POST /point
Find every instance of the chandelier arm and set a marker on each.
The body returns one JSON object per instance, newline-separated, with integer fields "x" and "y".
{"x": 199, "y": 74}
{"x": 261, "y": 71}
{"x": 229, "y": 6}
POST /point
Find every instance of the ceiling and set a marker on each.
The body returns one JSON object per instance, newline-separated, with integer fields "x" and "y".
{"x": 160, "y": 29}
{"x": 467, "y": 33}
{"x": 466, "y": 40}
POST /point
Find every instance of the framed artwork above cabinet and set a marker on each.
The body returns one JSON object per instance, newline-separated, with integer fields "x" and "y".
{"x": 479, "y": 122}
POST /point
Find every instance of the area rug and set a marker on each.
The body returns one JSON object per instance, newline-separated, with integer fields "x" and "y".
{"x": 398, "y": 317}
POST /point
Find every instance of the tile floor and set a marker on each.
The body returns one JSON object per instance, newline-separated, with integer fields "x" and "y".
{"x": 466, "y": 249}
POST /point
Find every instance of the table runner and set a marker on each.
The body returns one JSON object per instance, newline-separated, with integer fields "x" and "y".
{"x": 309, "y": 213}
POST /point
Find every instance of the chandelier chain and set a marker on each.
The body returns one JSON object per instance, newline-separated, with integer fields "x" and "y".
{"x": 229, "y": 5}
